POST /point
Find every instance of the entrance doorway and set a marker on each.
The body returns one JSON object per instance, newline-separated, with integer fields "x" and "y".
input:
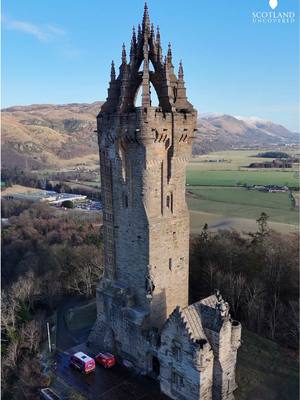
{"x": 155, "y": 366}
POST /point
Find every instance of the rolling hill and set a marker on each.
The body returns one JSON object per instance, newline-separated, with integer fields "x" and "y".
{"x": 57, "y": 136}
{"x": 217, "y": 132}
{"x": 49, "y": 136}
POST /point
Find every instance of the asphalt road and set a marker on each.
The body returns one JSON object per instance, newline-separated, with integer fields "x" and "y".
{"x": 117, "y": 383}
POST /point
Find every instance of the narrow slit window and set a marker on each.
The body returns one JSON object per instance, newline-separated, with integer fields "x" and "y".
{"x": 168, "y": 202}
{"x": 125, "y": 200}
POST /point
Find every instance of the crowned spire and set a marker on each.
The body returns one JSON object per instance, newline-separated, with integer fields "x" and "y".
{"x": 133, "y": 39}
{"x": 133, "y": 45}
{"x": 157, "y": 35}
{"x": 124, "y": 57}
{"x": 146, "y": 19}
{"x": 134, "y": 71}
{"x": 152, "y": 31}
{"x": 139, "y": 33}
{"x": 158, "y": 46}
{"x": 181, "y": 101}
{"x": 169, "y": 54}
{"x": 180, "y": 71}
{"x": 166, "y": 69}
{"x": 146, "y": 100}
{"x": 112, "y": 71}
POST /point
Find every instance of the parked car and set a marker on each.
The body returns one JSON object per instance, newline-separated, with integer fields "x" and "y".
{"x": 106, "y": 359}
{"x": 49, "y": 394}
{"x": 82, "y": 362}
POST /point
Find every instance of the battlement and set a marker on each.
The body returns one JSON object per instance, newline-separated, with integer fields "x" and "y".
{"x": 159, "y": 132}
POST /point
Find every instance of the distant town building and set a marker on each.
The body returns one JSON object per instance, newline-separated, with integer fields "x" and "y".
{"x": 272, "y": 164}
{"x": 270, "y": 188}
{"x": 44, "y": 196}
{"x": 143, "y": 315}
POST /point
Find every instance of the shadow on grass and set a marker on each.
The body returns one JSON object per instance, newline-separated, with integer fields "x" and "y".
{"x": 265, "y": 371}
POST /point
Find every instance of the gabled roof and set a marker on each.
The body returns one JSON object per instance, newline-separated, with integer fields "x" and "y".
{"x": 214, "y": 311}
{"x": 192, "y": 318}
{"x": 208, "y": 313}
{"x": 210, "y": 301}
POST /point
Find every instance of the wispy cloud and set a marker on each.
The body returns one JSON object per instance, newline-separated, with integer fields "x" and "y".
{"x": 48, "y": 33}
{"x": 56, "y": 30}
{"x": 43, "y": 33}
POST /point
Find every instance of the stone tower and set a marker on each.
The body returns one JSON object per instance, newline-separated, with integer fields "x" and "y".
{"x": 143, "y": 154}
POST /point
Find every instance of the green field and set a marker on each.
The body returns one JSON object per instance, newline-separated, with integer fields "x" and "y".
{"x": 199, "y": 177}
{"x": 232, "y": 169}
{"x": 236, "y": 159}
{"x": 242, "y": 203}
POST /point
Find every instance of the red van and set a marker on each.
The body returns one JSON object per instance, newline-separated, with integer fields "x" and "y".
{"x": 82, "y": 362}
{"x": 106, "y": 359}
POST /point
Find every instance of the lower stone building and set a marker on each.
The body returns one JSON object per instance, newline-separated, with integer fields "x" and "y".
{"x": 198, "y": 351}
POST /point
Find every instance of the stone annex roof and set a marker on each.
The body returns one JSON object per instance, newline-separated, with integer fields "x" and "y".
{"x": 208, "y": 313}
{"x": 192, "y": 317}
{"x": 210, "y": 301}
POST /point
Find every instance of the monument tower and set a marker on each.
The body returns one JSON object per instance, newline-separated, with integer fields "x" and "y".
{"x": 143, "y": 155}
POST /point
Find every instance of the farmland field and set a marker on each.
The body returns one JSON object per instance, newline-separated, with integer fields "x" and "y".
{"x": 215, "y": 194}
{"x": 199, "y": 177}
{"x": 236, "y": 159}
{"x": 239, "y": 203}
{"x": 230, "y": 168}
{"x": 243, "y": 196}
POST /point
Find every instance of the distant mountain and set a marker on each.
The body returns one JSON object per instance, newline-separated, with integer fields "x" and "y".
{"x": 221, "y": 132}
{"x": 57, "y": 136}
{"x": 45, "y": 135}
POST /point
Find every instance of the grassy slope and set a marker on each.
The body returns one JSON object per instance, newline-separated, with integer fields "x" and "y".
{"x": 265, "y": 371}
{"x": 242, "y": 203}
{"x": 243, "y": 225}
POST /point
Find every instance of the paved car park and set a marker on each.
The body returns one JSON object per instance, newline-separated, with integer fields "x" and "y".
{"x": 117, "y": 383}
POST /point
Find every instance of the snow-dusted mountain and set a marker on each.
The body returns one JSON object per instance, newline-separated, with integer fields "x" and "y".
{"x": 221, "y": 131}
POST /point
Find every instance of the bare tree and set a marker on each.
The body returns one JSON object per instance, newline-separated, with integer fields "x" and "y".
{"x": 25, "y": 288}
{"x": 254, "y": 300}
{"x": 274, "y": 314}
{"x": 31, "y": 335}
{"x": 86, "y": 272}
{"x": 237, "y": 287}
{"x": 9, "y": 309}
{"x": 12, "y": 354}
{"x": 211, "y": 269}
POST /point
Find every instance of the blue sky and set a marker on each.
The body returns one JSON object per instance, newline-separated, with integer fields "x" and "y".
{"x": 59, "y": 51}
